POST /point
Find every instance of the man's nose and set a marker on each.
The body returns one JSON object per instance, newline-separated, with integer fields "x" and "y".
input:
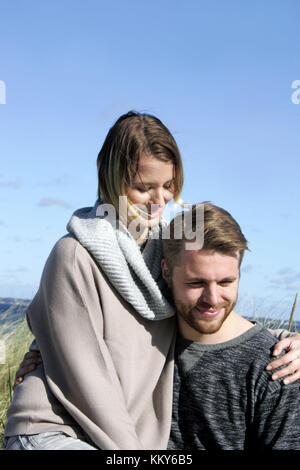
{"x": 210, "y": 295}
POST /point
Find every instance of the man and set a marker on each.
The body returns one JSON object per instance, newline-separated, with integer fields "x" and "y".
{"x": 223, "y": 396}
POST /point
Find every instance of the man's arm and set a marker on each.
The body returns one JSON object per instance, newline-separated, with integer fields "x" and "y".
{"x": 276, "y": 423}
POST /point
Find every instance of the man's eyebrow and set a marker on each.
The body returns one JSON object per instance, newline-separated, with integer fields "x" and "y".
{"x": 199, "y": 279}
{"x": 195, "y": 279}
{"x": 229, "y": 278}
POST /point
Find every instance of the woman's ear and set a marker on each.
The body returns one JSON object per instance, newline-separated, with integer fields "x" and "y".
{"x": 166, "y": 272}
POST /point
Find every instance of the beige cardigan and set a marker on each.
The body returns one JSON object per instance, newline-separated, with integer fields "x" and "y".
{"x": 108, "y": 371}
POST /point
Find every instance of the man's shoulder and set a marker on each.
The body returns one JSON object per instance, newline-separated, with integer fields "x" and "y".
{"x": 260, "y": 344}
{"x": 259, "y": 349}
{"x": 264, "y": 338}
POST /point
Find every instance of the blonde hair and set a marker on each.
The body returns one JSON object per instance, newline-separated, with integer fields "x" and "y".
{"x": 132, "y": 135}
{"x": 221, "y": 234}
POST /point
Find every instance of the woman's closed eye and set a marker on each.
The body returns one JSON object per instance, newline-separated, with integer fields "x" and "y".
{"x": 169, "y": 186}
{"x": 144, "y": 189}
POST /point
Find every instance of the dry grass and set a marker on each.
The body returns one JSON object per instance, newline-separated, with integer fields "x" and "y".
{"x": 17, "y": 338}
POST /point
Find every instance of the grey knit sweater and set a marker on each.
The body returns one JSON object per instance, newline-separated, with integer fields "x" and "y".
{"x": 224, "y": 398}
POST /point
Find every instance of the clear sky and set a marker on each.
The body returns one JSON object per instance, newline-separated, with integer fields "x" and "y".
{"x": 218, "y": 74}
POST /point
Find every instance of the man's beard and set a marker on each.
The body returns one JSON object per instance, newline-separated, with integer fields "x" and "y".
{"x": 205, "y": 325}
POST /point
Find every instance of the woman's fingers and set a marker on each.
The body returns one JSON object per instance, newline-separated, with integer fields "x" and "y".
{"x": 292, "y": 378}
{"x": 291, "y": 372}
{"x": 288, "y": 344}
{"x": 291, "y": 359}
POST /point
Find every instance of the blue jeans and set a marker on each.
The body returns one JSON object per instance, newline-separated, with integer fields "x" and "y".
{"x": 46, "y": 441}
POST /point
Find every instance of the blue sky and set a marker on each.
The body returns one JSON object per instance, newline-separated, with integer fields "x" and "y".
{"x": 218, "y": 74}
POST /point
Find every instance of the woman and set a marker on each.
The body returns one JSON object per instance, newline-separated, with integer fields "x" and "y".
{"x": 106, "y": 377}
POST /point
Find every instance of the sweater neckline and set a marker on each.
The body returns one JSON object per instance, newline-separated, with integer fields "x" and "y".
{"x": 184, "y": 343}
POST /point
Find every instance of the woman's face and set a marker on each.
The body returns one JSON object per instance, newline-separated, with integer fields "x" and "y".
{"x": 152, "y": 188}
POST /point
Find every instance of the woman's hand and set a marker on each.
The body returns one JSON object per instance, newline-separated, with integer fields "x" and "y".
{"x": 31, "y": 360}
{"x": 292, "y": 358}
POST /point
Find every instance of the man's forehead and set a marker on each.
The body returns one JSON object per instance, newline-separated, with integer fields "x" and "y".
{"x": 198, "y": 258}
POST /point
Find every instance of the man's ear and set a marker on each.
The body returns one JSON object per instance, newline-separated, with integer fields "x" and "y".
{"x": 165, "y": 272}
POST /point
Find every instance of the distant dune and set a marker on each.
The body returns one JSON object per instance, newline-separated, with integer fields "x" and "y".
{"x": 14, "y": 310}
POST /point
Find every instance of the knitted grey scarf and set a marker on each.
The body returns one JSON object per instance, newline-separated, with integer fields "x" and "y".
{"x": 135, "y": 275}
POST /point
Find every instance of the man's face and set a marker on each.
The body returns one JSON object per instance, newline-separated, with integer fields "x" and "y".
{"x": 205, "y": 289}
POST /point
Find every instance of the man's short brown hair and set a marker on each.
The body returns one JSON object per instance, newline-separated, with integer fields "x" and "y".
{"x": 221, "y": 233}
